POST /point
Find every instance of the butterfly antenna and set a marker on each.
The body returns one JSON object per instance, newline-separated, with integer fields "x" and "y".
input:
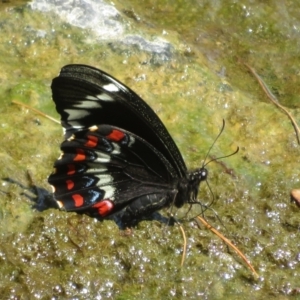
{"x": 225, "y": 156}
{"x": 222, "y": 129}
{"x": 217, "y": 158}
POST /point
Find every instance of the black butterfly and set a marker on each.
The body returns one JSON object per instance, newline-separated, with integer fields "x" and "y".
{"x": 117, "y": 158}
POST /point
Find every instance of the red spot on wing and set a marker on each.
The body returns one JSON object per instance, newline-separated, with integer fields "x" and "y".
{"x": 80, "y": 155}
{"x": 92, "y": 141}
{"x": 71, "y": 169}
{"x": 78, "y": 200}
{"x": 70, "y": 184}
{"x": 116, "y": 135}
{"x": 104, "y": 207}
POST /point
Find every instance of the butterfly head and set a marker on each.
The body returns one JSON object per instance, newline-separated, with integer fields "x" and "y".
{"x": 187, "y": 188}
{"x": 194, "y": 180}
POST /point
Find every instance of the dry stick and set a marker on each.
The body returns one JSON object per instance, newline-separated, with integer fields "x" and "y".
{"x": 35, "y": 110}
{"x": 274, "y": 100}
{"x": 184, "y": 245}
{"x": 222, "y": 237}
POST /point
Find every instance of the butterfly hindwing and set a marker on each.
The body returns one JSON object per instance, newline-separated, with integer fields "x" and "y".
{"x": 105, "y": 168}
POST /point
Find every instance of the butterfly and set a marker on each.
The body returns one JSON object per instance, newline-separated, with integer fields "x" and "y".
{"x": 118, "y": 158}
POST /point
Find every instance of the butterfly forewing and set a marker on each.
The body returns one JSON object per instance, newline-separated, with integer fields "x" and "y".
{"x": 85, "y": 96}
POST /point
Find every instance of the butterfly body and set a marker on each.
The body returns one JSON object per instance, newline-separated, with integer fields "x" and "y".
{"x": 117, "y": 157}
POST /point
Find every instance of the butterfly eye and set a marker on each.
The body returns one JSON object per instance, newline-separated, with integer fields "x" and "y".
{"x": 204, "y": 174}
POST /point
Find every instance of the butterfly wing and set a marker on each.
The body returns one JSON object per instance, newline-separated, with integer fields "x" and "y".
{"x": 105, "y": 169}
{"x": 85, "y": 96}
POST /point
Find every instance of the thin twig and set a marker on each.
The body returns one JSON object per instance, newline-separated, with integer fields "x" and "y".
{"x": 184, "y": 245}
{"x": 274, "y": 100}
{"x": 222, "y": 237}
{"x": 35, "y": 110}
